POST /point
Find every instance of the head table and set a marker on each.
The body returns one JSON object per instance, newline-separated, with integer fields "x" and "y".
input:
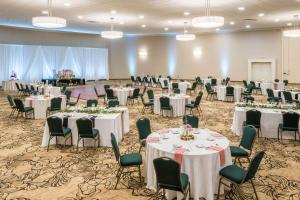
{"x": 295, "y": 95}
{"x": 178, "y": 102}
{"x": 201, "y": 158}
{"x": 122, "y": 94}
{"x": 116, "y": 122}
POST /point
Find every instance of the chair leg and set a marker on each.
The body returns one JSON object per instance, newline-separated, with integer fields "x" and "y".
{"x": 219, "y": 188}
{"x": 77, "y": 145}
{"x": 254, "y": 189}
{"x": 140, "y": 175}
{"x": 119, "y": 175}
{"x": 48, "y": 143}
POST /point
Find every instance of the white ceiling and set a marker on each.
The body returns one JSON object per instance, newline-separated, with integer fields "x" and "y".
{"x": 157, "y": 13}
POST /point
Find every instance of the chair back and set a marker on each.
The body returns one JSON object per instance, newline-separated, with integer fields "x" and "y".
{"x": 208, "y": 87}
{"x": 169, "y": 77}
{"x": 276, "y": 80}
{"x": 55, "y": 103}
{"x": 154, "y": 80}
{"x": 19, "y": 105}
{"x": 91, "y": 103}
{"x": 250, "y": 88}
{"x": 55, "y": 125}
{"x": 194, "y": 85}
{"x": 248, "y": 138}
{"x": 285, "y": 82}
{"x": 270, "y": 93}
{"x": 18, "y": 87}
{"x": 175, "y": 85}
{"x": 254, "y": 165}
{"x": 113, "y": 103}
{"x": 288, "y": 97}
{"x": 198, "y": 99}
{"x": 164, "y": 102}
{"x": 229, "y": 90}
{"x": 176, "y": 91}
{"x": 191, "y": 120}
{"x": 106, "y": 87}
{"x": 150, "y": 94}
{"x": 132, "y": 78}
{"x": 227, "y": 80}
{"x": 136, "y": 92}
{"x": 22, "y": 87}
{"x": 198, "y": 80}
{"x": 165, "y": 83}
{"x": 253, "y": 83}
{"x": 109, "y": 93}
{"x": 115, "y": 147}
{"x": 253, "y": 117}
{"x": 11, "y": 101}
{"x": 167, "y": 173}
{"x": 143, "y": 127}
{"x": 68, "y": 94}
{"x": 245, "y": 83}
{"x": 96, "y": 92}
{"x": 290, "y": 120}
{"x": 139, "y": 79}
{"x": 85, "y": 127}
{"x": 213, "y": 82}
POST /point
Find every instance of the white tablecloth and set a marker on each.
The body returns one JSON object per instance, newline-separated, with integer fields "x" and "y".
{"x": 161, "y": 80}
{"x": 183, "y": 86}
{"x": 105, "y": 123}
{"x": 10, "y": 85}
{"x": 276, "y": 94}
{"x": 201, "y": 164}
{"x": 178, "y": 103}
{"x": 279, "y": 86}
{"x": 208, "y": 80}
{"x": 41, "y": 103}
{"x": 122, "y": 94}
{"x": 270, "y": 119}
{"x": 51, "y": 90}
{"x": 265, "y": 86}
{"x": 221, "y": 93}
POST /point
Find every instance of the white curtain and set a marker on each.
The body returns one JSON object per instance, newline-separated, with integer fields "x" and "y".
{"x": 37, "y": 62}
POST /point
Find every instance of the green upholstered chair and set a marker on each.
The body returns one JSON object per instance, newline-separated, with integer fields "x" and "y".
{"x": 126, "y": 160}
{"x": 237, "y": 176}
{"x": 213, "y": 82}
{"x": 211, "y": 94}
{"x": 286, "y": 82}
{"x": 74, "y": 103}
{"x": 253, "y": 118}
{"x": 12, "y": 105}
{"x": 150, "y": 95}
{"x": 20, "y": 92}
{"x": 165, "y": 86}
{"x": 193, "y": 88}
{"x": 55, "y": 105}
{"x": 248, "y": 91}
{"x": 245, "y": 84}
{"x": 99, "y": 95}
{"x": 110, "y": 94}
{"x": 244, "y": 149}
{"x": 144, "y": 130}
{"x": 135, "y": 96}
{"x": 191, "y": 120}
{"x": 288, "y": 97}
{"x": 68, "y": 94}
{"x": 175, "y": 86}
{"x": 143, "y": 92}
{"x": 113, "y": 103}
{"x": 133, "y": 80}
{"x": 149, "y": 104}
{"x": 256, "y": 88}
{"x": 176, "y": 91}
{"x": 86, "y": 130}
{"x": 92, "y": 103}
{"x": 106, "y": 87}
{"x": 195, "y": 104}
{"x": 168, "y": 177}
{"x": 56, "y": 129}
{"x": 165, "y": 105}
{"x": 22, "y": 109}
{"x": 229, "y": 93}
{"x": 290, "y": 123}
{"x": 271, "y": 97}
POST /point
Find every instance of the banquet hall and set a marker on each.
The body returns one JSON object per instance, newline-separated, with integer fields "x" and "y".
{"x": 139, "y": 99}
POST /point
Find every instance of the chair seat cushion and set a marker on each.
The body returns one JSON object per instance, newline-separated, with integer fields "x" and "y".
{"x": 149, "y": 104}
{"x": 28, "y": 109}
{"x": 238, "y": 152}
{"x": 190, "y": 105}
{"x": 184, "y": 178}
{"x": 110, "y": 98}
{"x": 287, "y": 128}
{"x": 66, "y": 131}
{"x": 70, "y": 103}
{"x": 166, "y": 108}
{"x": 233, "y": 173}
{"x": 131, "y": 159}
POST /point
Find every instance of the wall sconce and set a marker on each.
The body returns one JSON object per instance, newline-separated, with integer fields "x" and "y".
{"x": 197, "y": 52}
{"x": 143, "y": 54}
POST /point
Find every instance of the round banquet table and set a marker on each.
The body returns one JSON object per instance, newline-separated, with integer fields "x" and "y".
{"x": 201, "y": 163}
{"x": 221, "y": 92}
{"x": 178, "y": 102}
{"x": 41, "y": 103}
{"x": 183, "y": 86}
{"x": 122, "y": 94}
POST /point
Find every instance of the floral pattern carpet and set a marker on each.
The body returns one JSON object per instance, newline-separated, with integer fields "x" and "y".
{"x": 28, "y": 171}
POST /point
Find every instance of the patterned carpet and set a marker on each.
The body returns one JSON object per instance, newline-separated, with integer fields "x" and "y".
{"x": 30, "y": 172}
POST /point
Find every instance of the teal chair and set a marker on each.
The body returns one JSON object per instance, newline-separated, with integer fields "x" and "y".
{"x": 56, "y": 129}
{"x": 211, "y": 94}
{"x": 92, "y": 103}
{"x": 193, "y": 88}
{"x": 165, "y": 105}
{"x": 86, "y": 130}
{"x": 149, "y": 104}
{"x": 237, "y": 176}
{"x": 113, "y": 103}
{"x": 244, "y": 149}
{"x": 55, "y": 105}
{"x": 144, "y": 130}
{"x": 99, "y": 95}
{"x": 195, "y": 104}
{"x": 168, "y": 177}
{"x": 176, "y": 91}
{"x": 126, "y": 160}
{"x": 68, "y": 94}
{"x": 191, "y": 120}
{"x": 12, "y": 105}
{"x": 22, "y": 109}
{"x": 73, "y": 103}
{"x": 150, "y": 94}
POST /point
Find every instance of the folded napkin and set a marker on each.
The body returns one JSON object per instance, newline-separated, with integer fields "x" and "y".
{"x": 221, "y": 153}
{"x": 152, "y": 139}
{"x": 179, "y": 154}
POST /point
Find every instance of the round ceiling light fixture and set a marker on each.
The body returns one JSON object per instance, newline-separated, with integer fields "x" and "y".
{"x": 208, "y": 21}
{"x": 295, "y": 32}
{"x": 49, "y": 21}
{"x": 112, "y": 34}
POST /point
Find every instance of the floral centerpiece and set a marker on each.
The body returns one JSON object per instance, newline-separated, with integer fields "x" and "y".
{"x": 268, "y": 106}
{"x": 92, "y": 110}
{"x": 187, "y": 133}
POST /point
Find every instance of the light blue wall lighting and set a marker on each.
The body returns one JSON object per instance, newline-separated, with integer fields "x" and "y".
{"x": 172, "y": 57}
{"x": 131, "y": 55}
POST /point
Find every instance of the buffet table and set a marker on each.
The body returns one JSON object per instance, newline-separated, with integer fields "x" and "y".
{"x": 201, "y": 159}
{"x": 178, "y": 102}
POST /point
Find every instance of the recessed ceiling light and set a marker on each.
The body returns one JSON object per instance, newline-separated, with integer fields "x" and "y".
{"x": 217, "y": 29}
{"x": 143, "y": 25}
{"x": 121, "y": 23}
{"x": 241, "y": 8}
{"x": 141, "y": 16}
{"x": 261, "y": 14}
{"x": 67, "y": 4}
{"x": 166, "y": 28}
{"x": 186, "y": 13}
{"x": 277, "y": 20}
{"x": 170, "y": 21}
{"x": 232, "y": 23}
{"x": 45, "y": 12}
{"x": 248, "y": 26}
{"x": 289, "y": 24}
{"x": 113, "y": 12}
{"x": 79, "y": 17}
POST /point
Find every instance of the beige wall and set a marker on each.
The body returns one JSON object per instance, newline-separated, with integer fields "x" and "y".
{"x": 223, "y": 54}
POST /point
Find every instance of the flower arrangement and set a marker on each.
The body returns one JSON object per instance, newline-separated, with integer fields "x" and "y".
{"x": 268, "y": 106}
{"x": 187, "y": 133}
{"x": 94, "y": 110}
